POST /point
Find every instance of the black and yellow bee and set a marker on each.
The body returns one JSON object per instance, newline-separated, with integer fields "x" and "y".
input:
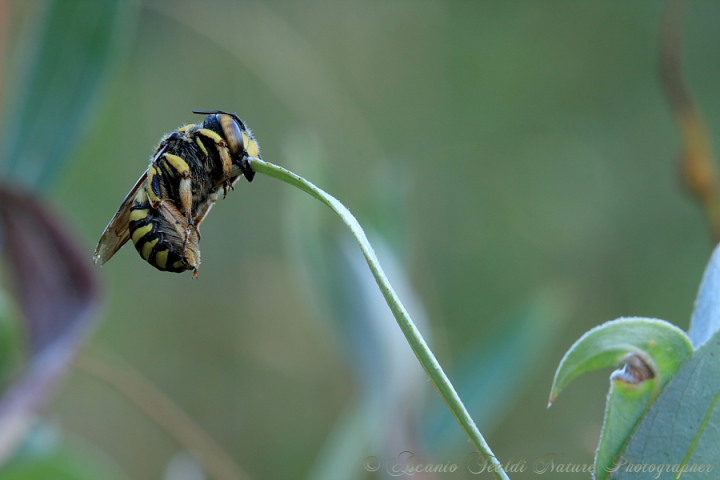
{"x": 163, "y": 211}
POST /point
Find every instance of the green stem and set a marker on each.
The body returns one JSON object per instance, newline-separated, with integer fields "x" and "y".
{"x": 417, "y": 342}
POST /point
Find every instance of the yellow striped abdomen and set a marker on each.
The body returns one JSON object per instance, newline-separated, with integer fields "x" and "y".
{"x": 158, "y": 241}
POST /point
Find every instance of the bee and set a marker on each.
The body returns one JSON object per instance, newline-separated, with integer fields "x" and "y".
{"x": 163, "y": 211}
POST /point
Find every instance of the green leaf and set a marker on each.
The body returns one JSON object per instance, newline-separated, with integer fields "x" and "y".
{"x": 661, "y": 345}
{"x": 59, "y": 85}
{"x": 626, "y": 404}
{"x": 706, "y": 317}
{"x": 681, "y": 431}
{"x": 651, "y": 350}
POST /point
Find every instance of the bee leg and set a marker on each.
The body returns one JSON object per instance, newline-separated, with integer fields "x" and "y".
{"x": 186, "y": 203}
{"x": 186, "y": 197}
{"x": 229, "y": 169}
{"x": 184, "y": 192}
{"x": 185, "y": 188}
{"x": 227, "y": 186}
{"x": 182, "y": 227}
{"x": 172, "y": 214}
{"x": 189, "y": 227}
{"x": 204, "y": 209}
{"x": 177, "y": 219}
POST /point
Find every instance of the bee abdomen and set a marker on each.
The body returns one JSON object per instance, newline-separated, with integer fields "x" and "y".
{"x": 147, "y": 233}
{"x": 168, "y": 260}
{"x": 153, "y": 246}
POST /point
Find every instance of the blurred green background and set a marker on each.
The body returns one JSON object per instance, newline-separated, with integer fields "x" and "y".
{"x": 519, "y": 159}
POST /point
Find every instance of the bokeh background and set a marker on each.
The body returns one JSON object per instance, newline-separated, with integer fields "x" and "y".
{"x": 514, "y": 162}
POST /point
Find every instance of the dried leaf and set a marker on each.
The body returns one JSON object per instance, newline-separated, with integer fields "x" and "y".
{"x": 57, "y": 294}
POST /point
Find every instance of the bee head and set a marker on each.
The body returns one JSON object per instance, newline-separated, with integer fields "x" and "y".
{"x": 241, "y": 142}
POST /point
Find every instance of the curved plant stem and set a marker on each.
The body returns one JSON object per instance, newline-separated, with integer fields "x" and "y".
{"x": 417, "y": 342}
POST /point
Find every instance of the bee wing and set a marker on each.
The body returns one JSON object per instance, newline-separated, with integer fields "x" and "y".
{"x": 117, "y": 232}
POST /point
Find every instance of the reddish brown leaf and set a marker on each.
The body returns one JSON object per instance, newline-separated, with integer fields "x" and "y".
{"x": 57, "y": 293}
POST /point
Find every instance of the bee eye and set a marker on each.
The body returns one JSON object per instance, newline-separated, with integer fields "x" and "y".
{"x": 233, "y": 134}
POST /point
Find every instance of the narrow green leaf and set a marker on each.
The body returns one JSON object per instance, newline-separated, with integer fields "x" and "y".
{"x": 59, "y": 86}
{"x": 661, "y": 345}
{"x": 706, "y": 317}
{"x": 679, "y": 437}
